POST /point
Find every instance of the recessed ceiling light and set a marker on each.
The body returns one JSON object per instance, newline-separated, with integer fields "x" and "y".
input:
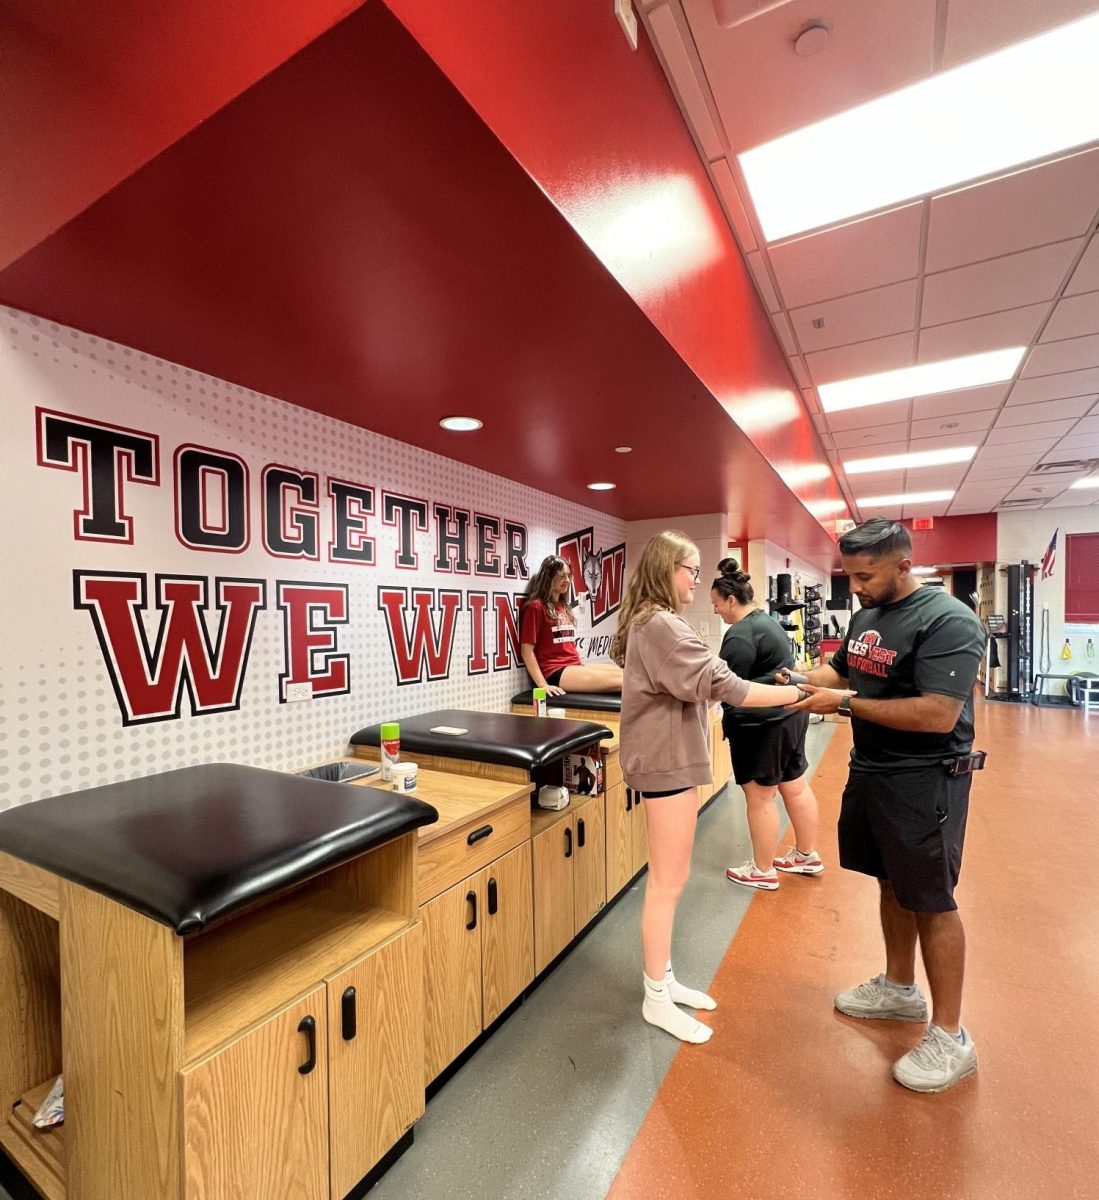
{"x": 601, "y": 487}
{"x": 623, "y": 449}
{"x": 461, "y": 424}
{"x": 928, "y": 379}
{"x": 1092, "y": 481}
{"x": 1018, "y": 105}
{"x": 920, "y": 458}
{"x": 903, "y": 498}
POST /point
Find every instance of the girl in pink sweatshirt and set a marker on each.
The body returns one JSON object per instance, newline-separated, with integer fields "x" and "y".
{"x": 669, "y": 680}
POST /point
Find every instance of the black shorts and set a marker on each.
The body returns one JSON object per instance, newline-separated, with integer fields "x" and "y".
{"x": 553, "y": 679}
{"x": 768, "y": 754}
{"x": 661, "y": 795}
{"x": 907, "y": 827}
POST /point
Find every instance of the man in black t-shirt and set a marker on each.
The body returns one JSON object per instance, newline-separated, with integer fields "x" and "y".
{"x": 910, "y": 657}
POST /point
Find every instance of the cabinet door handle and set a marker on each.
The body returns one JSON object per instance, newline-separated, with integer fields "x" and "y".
{"x": 580, "y": 832}
{"x": 308, "y": 1026}
{"x": 629, "y": 799}
{"x": 348, "y": 1012}
{"x": 492, "y": 899}
{"x": 568, "y": 842}
{"x": 484, "y": 832}
{"x": 471, "y": 899}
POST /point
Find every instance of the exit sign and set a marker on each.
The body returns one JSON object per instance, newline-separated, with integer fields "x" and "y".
{"x": 919, "y": 523}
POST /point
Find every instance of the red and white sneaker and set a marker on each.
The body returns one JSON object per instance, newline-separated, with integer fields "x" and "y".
{"x": 797, "y": 863}
{"x": 751, "y": 876}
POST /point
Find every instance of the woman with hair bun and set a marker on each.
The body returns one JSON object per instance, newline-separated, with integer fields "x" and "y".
{"x": 547, "y": 637}
{"x": 670, "y": 677}
{"x": 767, "y": 744}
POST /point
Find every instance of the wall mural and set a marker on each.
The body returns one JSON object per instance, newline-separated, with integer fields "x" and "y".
{"x": 202, "y": 559}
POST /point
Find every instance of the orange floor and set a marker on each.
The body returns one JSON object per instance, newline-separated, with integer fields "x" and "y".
{"x": 791, "y": 1099}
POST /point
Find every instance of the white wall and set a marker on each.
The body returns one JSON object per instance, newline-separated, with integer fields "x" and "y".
{"x": 64, "y": 724}
{"x": 708, "y": 534}
{"x": 1025, "y": 535}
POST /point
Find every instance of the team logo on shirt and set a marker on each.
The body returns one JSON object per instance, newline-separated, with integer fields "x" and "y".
{"x": 867, "y": 654}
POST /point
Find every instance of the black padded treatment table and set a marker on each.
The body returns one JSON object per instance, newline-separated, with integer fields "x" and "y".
{"x": 501, "y": 739}
{"x": 608, "y": 702}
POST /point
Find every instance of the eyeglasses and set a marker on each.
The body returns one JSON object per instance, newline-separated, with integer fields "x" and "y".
{"x": 695, "y": 571}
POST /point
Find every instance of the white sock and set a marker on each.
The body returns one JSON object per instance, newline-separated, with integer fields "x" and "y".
{"x": 686, "y": 995}
{"x": 905, "y": 989}
{"x": 658, "y": 1009}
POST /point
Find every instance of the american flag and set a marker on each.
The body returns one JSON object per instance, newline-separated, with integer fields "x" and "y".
{"x": 1050, "y": 556}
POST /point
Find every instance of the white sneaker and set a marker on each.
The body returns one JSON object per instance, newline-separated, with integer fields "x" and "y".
{"x": 877, "y": 1001}
{"x": 937, "y": 1063}
{"x": 796, "y": 863}
{"x": 751, "y": 876}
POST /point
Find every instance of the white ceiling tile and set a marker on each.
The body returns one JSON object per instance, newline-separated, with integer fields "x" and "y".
{"x": 1032, "y": 207}
{"x": 1086, "y": 276}
{"x": 987, "y": 474}
{"x": 763, "y": 89}
{"x": 1026, "y": 433}
{"x": 1074, "y": 316}
{"x": 1087, "y": 425}
{"x": 929, "y": 479}
{"x": 1028, "y": 489}
{"x": 957, "y": 424}
{"x": 862, "y": 358}
{"x": 851, "y": 258}
{"x": 782, "y": 327}
{"x": 892, "y": 413}
{"x": 996, "y": 284}
{"x": 977, "y": 27}
{"x": 935, "y": 509}
{"x": 729, "y": 191}
{"x": 758, "y": 266}
{"x": 870, "y": 435}
{"x": 1055, "y": 387}
{"x": 1001, "y": 453}
{"x": 969, "y": 400}
{"x": 1071, "y": 499}
{"x": 801, "y": 374}
{"x": 1070, "y": 355}
{"x": 943, "y": 441}
{"x": 1051, "y": 410}
{"x": 876, "y": 484}
{"x": 994, "y": 331}
{"x": 964, "y": 509}
{"x": 1076, "y": 445}
{"x": 858, "y": 318}
{"x": 893, "y": 513}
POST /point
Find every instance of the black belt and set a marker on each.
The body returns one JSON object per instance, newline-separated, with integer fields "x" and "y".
{"x": 965, "y": 764}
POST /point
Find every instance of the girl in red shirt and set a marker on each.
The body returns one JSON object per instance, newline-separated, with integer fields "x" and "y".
{"x": 548, "y": 637}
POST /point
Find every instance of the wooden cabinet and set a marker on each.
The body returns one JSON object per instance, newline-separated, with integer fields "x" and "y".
{"x": 256, "y": 1112}
{"x": 478, "y": 954}
{"x": 627, "y": 837}
{"x": 720, "y": 763}
{"x": 276, "y": 1055}
{"x": 570, "y": 879}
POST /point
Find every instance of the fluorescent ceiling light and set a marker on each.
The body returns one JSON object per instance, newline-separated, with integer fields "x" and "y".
{"x": 1021, "y": 104}
{"x": 1092, "y": 481}
{"x": 925, "y": 571}
{"x": 903, "y": 498}
{"x": 461, "y": 424}
{"x": 927, "y": 379}
{"x": 602, "y": 487}
{"x": 920, "y": 458}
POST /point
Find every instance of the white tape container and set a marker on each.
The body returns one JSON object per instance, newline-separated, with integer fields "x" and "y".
{"x": 556, "y": 712}
{"x": 405, "y": 776}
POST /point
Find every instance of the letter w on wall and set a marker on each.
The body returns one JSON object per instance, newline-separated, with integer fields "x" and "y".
{"x": 149, "y": 680}
{"x": 423, "y": 652}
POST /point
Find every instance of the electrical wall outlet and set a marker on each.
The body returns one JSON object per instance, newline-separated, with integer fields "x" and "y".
{"x": 298, "y": 691}
{"x": 704, "y": 628}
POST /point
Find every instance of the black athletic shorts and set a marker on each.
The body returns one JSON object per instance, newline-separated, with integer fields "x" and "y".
{"x": 768, "y": 754}
{"x": 661, "y": 795}
{"x": 553, "y": 679}
{"x": 907, "y": 827}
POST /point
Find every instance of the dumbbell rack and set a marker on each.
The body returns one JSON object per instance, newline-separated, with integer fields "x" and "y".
{"x": 811, "y": 621}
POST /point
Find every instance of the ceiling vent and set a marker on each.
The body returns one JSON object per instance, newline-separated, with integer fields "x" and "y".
{"x": 1072, "y": 466}
{"x": 1037, "y": 502}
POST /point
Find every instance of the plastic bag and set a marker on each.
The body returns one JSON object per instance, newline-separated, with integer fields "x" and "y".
{"x": 52, "y": 1110}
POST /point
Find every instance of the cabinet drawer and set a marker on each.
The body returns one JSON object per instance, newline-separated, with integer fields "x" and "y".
{"x": 447, "y": 859}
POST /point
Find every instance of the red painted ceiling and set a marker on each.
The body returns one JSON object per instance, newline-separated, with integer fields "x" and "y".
{"x": 91, "y": 91}
{"x": 349, "y": 236}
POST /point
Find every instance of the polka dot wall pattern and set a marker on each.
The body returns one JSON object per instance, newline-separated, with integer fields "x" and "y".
{"x": 61, "y": 728}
